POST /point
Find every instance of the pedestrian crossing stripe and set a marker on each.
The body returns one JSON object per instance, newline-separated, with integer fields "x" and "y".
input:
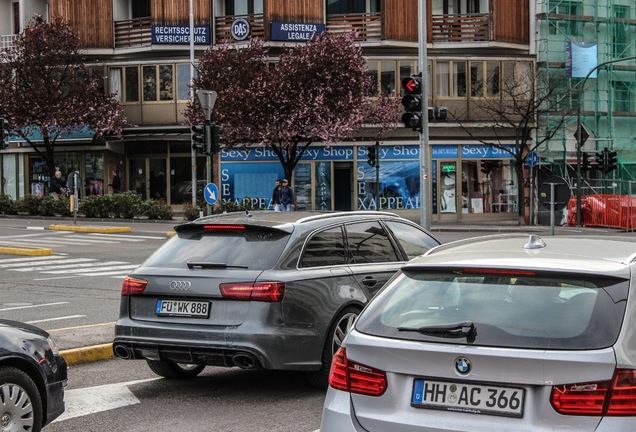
{"x": 71, "y": 267}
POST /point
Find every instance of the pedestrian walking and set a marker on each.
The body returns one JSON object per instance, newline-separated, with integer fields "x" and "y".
{"x": 276, "y": 196}
{"x": 286, "y": 196}
{"x": 58, "y": 187}
{"x": 115, "y": 182}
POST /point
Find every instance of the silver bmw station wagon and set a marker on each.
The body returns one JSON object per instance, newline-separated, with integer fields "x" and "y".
{"x": 498, "y": 334}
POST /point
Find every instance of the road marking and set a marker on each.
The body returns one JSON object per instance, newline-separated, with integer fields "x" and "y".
{"x": 63, "y": 265}
{"x": 33, "y": 259}
{"x": 96, "y": 272}
{"x": 127, "y": 237}
{"x": 33, "y": 306}
{"x": 55, "y": 261}
{"x": 55, "y": 319}
{"x": 57, "y": 277}
{"x": 92, "y": 400}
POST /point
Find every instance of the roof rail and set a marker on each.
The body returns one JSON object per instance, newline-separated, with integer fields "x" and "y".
{"x": 472, "y": 240}
{"x": 345, "y": 213}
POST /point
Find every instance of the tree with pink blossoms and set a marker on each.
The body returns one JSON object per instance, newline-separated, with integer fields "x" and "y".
{"x": 47, "y": 92}
{"x": 315, "y": 92}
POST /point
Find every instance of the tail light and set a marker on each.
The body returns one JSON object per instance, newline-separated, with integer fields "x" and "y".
{"x": 257, "y": 291}
{"x": 609, "y": 398}
{"x": 132, "y": 286}
{"x": 354, "y": 377}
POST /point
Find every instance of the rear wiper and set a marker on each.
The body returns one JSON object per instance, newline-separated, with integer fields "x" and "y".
{"x": 212, "y": 265}
{"x": 451, "y": 330}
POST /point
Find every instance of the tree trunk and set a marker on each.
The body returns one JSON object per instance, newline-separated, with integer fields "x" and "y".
{"x": 521, "y": 205}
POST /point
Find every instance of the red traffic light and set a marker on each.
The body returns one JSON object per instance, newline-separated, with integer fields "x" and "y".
{"x": 412, "y": 84}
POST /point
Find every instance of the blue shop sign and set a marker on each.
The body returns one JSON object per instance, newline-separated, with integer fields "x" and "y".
{"x": 313, "y": 153}
{"x": 482, "y": 151}
{"x": 180, "y": 35}
{"x": 283, "y": 31}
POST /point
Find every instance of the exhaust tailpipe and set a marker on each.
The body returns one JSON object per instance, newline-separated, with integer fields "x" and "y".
{"x": 244, "y": 360}
{"x": 122, "y": 351}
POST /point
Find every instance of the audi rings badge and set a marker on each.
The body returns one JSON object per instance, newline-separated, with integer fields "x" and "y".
{"x": 180, "y": 285}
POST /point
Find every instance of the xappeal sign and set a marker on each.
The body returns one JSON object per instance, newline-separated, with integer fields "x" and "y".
{"x": 301, "y": 32}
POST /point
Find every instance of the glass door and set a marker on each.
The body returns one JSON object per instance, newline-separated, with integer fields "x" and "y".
{"x": 447, "y": 185}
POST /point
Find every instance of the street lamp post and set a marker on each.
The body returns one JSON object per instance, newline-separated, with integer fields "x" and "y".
{"x": 579, "y": 132}
{"x": 425, "y": 163}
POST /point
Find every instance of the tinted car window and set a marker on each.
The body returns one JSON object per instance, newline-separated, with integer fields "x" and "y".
{"x": 413, "y": 241}
{"x": 324, "y": 248}
{"x": 547, "y": 312}
{"x": 255, "y": 248}
{"x": 369, "y": 243}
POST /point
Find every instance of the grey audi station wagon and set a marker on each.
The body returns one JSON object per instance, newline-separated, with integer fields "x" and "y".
{"x": 263, "y": 289}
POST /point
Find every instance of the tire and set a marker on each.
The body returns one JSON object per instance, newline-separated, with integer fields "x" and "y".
{"x": 337, "y": 332}
{"x": 20, "y": 402}
{"x": 175, "y": 370}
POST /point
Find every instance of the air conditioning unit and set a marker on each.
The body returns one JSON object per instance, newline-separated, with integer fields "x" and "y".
{"x": 441, "y": 112}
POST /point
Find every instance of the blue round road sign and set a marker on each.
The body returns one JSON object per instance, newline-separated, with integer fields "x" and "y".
{"x": 532, "y": 159}
{"x": 211, "y": 193}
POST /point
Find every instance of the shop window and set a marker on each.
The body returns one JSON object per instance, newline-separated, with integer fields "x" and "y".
{"x": 243, "y": 7}
{"x": 94, "y": 179}
{"x": 158, "y": 83}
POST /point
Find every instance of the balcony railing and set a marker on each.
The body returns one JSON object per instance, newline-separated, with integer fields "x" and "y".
{"x": 367, "y": 25}
{"x": 7, "y": 41}
{"x": 134, "y": 32}
{"x": 224, "y": 27}
{"x": 462, "y": 28}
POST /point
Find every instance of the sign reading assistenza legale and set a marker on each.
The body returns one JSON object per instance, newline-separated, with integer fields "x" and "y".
{"x": 282, "y": 31}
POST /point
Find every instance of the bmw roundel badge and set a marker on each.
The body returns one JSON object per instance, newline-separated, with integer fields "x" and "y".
{"x": 462, "y": 365}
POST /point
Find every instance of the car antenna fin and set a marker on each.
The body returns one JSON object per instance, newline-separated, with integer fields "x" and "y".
{"x": 534, "y": 242}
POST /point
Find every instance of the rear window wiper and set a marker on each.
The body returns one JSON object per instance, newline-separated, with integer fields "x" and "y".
{"x": 451, "y": 330}
{"x": 212, "y": 265}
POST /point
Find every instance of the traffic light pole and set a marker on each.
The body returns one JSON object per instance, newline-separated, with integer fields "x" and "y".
{"x": 208, "y": 158}
{"x": 425, "y": 185}
{"x": 578, "y": 129}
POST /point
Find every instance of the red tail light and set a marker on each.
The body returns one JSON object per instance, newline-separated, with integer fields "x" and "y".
{"x": 610, "y": 398}
{"x": 259, "y": 291}
{"x": 133, "y": 286}
{"x": 354, "y": 377}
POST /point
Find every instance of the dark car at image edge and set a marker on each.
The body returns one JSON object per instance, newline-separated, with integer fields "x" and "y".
{"x": 32, "y": 378}
{"x": 263, "y": 289}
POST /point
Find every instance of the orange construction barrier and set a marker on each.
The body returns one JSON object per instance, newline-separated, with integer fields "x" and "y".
{"x": 606, "y": 210}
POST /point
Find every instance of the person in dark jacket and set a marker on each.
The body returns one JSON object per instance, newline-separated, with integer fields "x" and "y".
{"x": 286, "y": 196}
{"x": 276, "y": 196}
{"x": 116, "y": 182}
{"x": 57, "y": 188}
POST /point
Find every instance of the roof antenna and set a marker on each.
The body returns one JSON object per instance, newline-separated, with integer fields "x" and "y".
{"x": 247, "y": 214}
{"x": 534, "y": 242}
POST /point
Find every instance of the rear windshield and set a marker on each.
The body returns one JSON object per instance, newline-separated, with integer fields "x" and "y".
{"x": 542, "y": 311}
{"x": 254, "y": 248}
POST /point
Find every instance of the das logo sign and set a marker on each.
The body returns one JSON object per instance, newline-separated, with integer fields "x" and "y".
{"x": 240, "y": 29}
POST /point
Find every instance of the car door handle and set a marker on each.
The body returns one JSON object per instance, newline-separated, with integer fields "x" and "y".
{"x": 369, "y": 281}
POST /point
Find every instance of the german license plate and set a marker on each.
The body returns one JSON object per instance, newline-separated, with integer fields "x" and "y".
{"x": 468, "y": 397}
{"x": 181, "y": 308}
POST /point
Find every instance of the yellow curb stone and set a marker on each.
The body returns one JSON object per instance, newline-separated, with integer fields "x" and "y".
{"x": 90, "y": 229}
{"x": 88, "y": 354}
{"x": 20, "y": 250}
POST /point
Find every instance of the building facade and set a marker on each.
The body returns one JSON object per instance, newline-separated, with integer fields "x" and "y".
{"x": 142, "y": 52}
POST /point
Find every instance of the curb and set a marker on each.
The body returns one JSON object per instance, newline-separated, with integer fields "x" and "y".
{"x": 90, "y": 229}
{"x": 35, "y": 251}
{"x": 88, "y": 354}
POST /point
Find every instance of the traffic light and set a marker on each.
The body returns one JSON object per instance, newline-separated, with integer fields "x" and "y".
{"x": 600, "y": 160}
{"x": 198, "y": 138}
{"x": 412, "y": 102}
{"x": 217, "y": 131}
{"x": 4, "y": 135}
{"x": 585, "y": 162}
{"x": 610, "y": 160}
{"x": 372, "y": 155}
